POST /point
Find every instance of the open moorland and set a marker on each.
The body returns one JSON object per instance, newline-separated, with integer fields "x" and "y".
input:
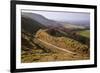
{"x": 44, "y": 40}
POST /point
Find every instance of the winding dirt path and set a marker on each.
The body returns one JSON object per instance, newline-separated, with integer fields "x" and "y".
{"x": 53, "y": 46}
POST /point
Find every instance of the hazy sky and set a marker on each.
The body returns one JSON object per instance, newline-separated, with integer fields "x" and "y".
{"x": 63, "y": 16}
{"x": 66, "y": 16}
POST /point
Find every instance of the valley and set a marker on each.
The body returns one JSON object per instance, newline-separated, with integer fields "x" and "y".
{"x": 41, "y": 42}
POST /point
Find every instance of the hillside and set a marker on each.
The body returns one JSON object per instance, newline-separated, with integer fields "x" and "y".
{"x": 44, "y": 47}
{"x": 45, "y": 40}
{"x": 41, "y": 19}
{"x": 62, "y": 42}
{"x": 30, "y": 25}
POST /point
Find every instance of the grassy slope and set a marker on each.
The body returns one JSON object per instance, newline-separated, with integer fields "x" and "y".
{"x": 85, "y": 33}
{"x": 38, "y": 53}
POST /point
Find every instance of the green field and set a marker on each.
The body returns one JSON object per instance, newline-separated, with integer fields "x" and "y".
{"x": 85, "y": 33}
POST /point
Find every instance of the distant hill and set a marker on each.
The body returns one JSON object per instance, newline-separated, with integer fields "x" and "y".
{"x": 52, "y": 23}
{"x": 77, "y": 23}
{"x": 30, "y": 25}
{"x": 41, "y": 19}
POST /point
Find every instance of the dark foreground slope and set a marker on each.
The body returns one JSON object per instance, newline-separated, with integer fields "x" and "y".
{"x": 30, "y": 25}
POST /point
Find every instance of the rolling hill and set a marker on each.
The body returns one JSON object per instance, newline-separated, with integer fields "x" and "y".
{"x": 30, "y": 25}
{"x": 45, "y": 40}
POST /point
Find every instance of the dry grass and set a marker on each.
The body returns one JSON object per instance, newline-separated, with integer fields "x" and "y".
{"x": 36, "y": 52}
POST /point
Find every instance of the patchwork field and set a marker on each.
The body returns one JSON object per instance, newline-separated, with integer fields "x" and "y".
{"x": 85, "y": 33}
